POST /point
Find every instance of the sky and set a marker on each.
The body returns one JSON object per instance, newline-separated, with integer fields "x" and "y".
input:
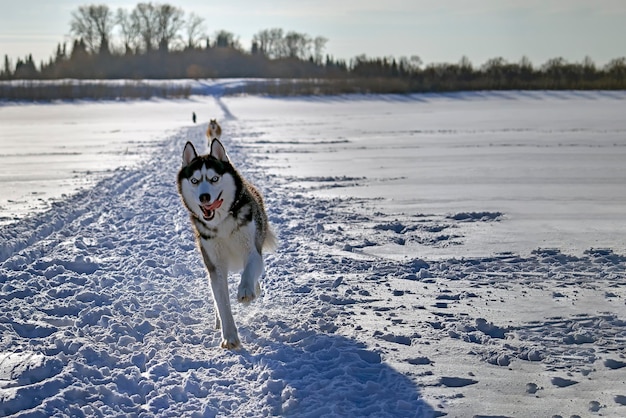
{"x": 436, "y": 31}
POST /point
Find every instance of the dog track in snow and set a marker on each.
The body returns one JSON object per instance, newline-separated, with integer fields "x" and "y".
{"x": 549, "y": 341}
{"x": 106, "y": 309}
{"x": 340, "y": 229}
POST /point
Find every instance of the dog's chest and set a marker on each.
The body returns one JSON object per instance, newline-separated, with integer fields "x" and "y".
{"x": 231, "y": 250}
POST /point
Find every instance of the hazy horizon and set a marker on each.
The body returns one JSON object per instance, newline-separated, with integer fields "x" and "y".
{"x": 442, "y": 32}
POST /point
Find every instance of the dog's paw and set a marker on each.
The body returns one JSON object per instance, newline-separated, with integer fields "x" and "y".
{"x": 231, "y": 343}
{"x": 247, "y": 294}
{"x": 230, "y": 338}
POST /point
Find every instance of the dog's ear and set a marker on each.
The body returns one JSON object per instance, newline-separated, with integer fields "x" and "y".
{"x": 218, "y": 151}
{"x": 189, "y": 153}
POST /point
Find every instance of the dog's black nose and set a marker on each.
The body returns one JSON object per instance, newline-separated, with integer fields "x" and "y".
{"x": 205, "y": 198}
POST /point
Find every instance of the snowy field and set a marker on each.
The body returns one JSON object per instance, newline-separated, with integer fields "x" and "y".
{"x": 460, "y": 255}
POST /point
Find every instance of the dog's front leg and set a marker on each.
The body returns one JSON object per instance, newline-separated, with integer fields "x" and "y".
{"x": 223, "y": 315}
{"x": 219, "y": 287}
{"x": 249, "y": 288}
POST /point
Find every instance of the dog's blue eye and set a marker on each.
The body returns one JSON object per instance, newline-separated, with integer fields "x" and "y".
{"x": 194, "y": 181}
{"x": 215, "y": 179}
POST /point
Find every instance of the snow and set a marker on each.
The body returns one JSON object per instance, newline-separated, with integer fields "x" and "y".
{"x": 458, "y": 254}
{"x": 51, "y": 150}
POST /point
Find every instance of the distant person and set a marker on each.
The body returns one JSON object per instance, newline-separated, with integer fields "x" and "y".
{"x": 193, "y": 116}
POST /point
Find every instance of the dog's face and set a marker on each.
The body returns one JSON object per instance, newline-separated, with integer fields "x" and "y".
{"x": 206, "y": 183}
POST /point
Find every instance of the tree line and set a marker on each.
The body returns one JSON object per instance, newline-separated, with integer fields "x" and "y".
{"x": 161, "y": 41}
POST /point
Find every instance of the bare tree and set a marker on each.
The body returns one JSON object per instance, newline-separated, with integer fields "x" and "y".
{"x": 297, "y": 45}
{"x": 554, "y": 67}
{"x": 262, "y": 40}
{"x": 194, "y": 30}
{"x": 319, "y": 43}
{"x": 275, "y": 46}
{"x": 416, "y": 62}
{"x": 270, "y": 42}
{"x": 144, "y": 17}
{"x": 169, "y": 22}
{"x": 525, "y": 63}
{"x": 94, "y": 24}
{"x": 588, "y": 64}
{"x": 617, "y": 67}
{"x": 465, "y": 63}
{"x": 129, "y": 30}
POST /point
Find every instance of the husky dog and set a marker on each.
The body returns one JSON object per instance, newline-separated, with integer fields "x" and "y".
{"x": 214, "y": 131}
{"x": 231, "y": 228}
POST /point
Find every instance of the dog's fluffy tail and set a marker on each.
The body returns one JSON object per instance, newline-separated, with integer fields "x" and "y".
{"x": 271, "y": 241}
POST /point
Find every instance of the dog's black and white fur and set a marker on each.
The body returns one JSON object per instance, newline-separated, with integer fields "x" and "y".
{"x": 231, "y": 227}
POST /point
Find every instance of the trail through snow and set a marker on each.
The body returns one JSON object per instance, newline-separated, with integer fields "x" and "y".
{"x": 105, "y": 310}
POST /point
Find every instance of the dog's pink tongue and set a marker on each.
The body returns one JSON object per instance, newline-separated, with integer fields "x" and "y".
{"x": 215, "y": 205}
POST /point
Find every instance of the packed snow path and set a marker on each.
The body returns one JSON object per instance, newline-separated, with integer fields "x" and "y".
{"x": 105, "y": 309}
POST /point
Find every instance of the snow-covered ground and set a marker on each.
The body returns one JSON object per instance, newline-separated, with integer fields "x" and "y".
{"x": 459, "y": 254}
{"x": 50, "y": 150}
